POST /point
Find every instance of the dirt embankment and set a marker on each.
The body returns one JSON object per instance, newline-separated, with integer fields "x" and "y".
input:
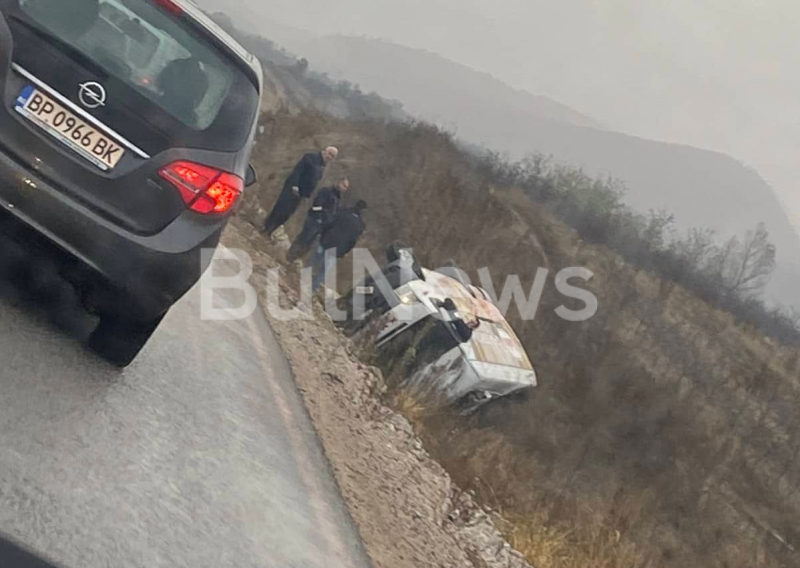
{"x": 660, "y": 424}
{"x": 408, "y": 511}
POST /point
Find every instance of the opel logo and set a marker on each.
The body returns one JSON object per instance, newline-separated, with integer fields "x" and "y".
{"x": 92, "y": 94}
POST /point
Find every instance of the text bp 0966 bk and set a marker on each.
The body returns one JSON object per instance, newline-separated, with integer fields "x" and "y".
{"x": 125, "y": 137}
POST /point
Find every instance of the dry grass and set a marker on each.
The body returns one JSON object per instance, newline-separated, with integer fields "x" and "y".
{"x": 546, "y": 536}
{"x": 552, "y": 545}
{"x": 409, "y": 406}
{"x": 660, "y": 416}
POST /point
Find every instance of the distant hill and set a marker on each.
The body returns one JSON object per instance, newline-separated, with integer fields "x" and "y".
{"x": 290, "y": 85}
{"x": 702, "y": 188}
{"x": 460, "y": 90}
{"x": 430, "y": 86}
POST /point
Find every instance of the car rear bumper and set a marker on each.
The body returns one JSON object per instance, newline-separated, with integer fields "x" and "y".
{"x": 146, "y": 274}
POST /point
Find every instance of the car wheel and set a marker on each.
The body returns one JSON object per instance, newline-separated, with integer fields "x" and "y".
{"x": 119, "y": 341}
{"x": 393, "y": 251}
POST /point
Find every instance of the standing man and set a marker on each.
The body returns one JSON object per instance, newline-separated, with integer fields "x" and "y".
{"x": 300, "y": 185}
{"x": 322, "y": 213}
{"x": 337, "y": 240}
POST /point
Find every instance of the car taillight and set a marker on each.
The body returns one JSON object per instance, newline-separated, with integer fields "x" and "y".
{"x": 204, "y": 189}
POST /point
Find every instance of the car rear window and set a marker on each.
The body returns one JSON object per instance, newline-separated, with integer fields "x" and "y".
{"x": 142, "y": 44}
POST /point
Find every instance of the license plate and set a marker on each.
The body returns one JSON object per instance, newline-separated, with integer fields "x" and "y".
{"x": 364, "y": 290}
{"x": 69, "y": 129}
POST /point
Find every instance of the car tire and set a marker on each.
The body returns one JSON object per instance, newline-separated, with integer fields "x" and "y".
{"x": 119, "y": 341}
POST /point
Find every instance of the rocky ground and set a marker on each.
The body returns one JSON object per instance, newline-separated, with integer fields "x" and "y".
{"x": 407, "y": 509}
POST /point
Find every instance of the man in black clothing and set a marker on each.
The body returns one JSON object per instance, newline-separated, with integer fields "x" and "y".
{"x": 337, "y": 240}
{"x": 322, "y": 213}
{"x": 300, "y": 185}
{"x": 453, "y": 317}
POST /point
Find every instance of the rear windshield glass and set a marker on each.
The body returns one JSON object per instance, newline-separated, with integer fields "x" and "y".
{"x": 143, "y": 45}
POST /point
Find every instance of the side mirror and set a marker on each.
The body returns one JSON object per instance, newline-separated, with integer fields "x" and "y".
{"x": 250, "y": 177}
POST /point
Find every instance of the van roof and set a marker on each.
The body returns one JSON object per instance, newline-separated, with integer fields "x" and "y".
{"x": 494, "y": 342}
{"x": 441, "y": 286}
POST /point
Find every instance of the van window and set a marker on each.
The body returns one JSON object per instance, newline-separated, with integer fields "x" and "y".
{"x": 147, "y": 48}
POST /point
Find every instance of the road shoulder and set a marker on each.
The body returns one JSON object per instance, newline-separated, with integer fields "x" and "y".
{"x": 404, "y": 504}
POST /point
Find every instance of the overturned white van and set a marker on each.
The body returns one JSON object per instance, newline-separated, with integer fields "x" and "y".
{"x": 438, "y": 332}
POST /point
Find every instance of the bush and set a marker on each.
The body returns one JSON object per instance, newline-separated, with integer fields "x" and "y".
{"x": 730, "y": 276}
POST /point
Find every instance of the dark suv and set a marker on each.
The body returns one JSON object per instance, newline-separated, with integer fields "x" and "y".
{"x": 126, "y": 130}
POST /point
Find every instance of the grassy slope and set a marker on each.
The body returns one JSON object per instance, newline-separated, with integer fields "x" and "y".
{"x": 660, "y": 431}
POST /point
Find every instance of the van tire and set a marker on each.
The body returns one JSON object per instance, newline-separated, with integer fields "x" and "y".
{"x": 393, "y": 251}
{"x": 393, "y": 255}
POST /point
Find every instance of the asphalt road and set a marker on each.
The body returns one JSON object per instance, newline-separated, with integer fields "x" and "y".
{"x": 199, "y": 455}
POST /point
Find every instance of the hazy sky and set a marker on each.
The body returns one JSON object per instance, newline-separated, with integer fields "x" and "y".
{"x": 718, "y": 74}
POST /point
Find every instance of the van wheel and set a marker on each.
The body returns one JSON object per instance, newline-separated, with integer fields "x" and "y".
{"x": 393, "y": 255}
{"x": 393, "y": 251}
{"x": 119, "y": 341}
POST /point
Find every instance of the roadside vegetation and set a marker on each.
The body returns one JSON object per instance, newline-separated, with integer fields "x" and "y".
{"x": 730, "y": 274}
{"x": 664, "y": 432}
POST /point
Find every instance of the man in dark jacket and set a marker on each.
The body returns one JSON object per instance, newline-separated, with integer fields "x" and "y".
{"x": 451, "y": 316}
{"x": 322, "y": 213}
{"x": 300, "y": 185}
{"x": 337, "y": 240}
